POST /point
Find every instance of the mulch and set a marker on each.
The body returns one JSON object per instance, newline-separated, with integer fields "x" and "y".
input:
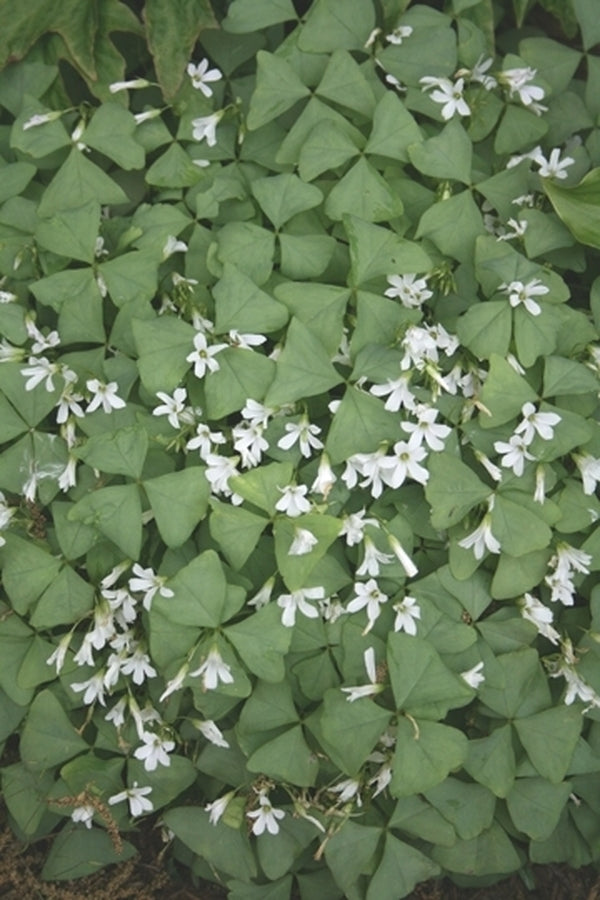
{"x": 148, "y": 877}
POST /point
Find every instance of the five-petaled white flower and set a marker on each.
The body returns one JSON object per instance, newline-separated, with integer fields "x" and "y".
{"x": 523, "y": 293}
{"x": 154, "y": 750}
{"x": 426, "y": 428}
{"x": 293, "y": 502}
{"x": 518, "y": 81}
{"x": 554, "y": 166}
{"x": 399, "y": 393}
{"x": 105, "y": 395}
{"x": 146, "y": 581}
{"x": 40, "y": 369}
{"x": 304, "y": 434}
{"x": 172, "y": 407}
{"x": 589, "y": 469}
{"x": 201, "y": 76}
{"x": 405, "y": 463}
{"x": 297, "y": 600}
{"x": 203, "y": 356}
{"x": 412, "y": 291}
{"x": 534, "y": 422}
{"x": 515, "y": 453}
{"x": 266, "y": 816}
{"x": 407, "y": 611}
{"x": 449, "y": 94}
{"x": 367, "y": 596}
{"x": 137, "y": 798}
{"x": 213, "y": 670}
{"x": 540, "y": 616}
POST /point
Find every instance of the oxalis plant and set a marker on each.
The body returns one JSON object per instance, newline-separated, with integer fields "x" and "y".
{"x": 300, "y": 443}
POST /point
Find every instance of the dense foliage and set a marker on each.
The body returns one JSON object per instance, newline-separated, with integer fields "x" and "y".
{"x": 299, "y": 437}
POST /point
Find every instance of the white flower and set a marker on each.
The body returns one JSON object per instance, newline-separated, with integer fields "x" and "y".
{"x": 83, "y": 814}
{"x": 447, "y": 93}
{"x": 304, "y": 433}
{"x": 540, "y": 616}
{"x": 57, "y": 658}
{"x": 40, "y": 119}
{"x": 245, "y": 341}
{"x": 211, "y": 732}
{"x": 402, "y": 556}
{"x": 265, "y": 817}
{"x": 365, "y": 690}
{"x": 41, "y": 341}
{"x": 426, "y": 428}
{"x": 219, "y": 470}
{"x": 93, "y": 689}
{"x": 474, "y": 677}
{"x": 589, "y": 469}
{"x": 353, "y": 527}
{"x": 522, "y": 293}
{"x": 405, "y": 463}
{"x": 370, "y": 597}
{"x": 347, "y": 789}
{"x": 40, "y": 370}
{"x": 204, "y": 440}
{"x": 137, "y": 798}
{"x": 293, "y": 502}
{"x": 117, "y": 86}
{"x": 419, "y": 348}
{"x": 518, "y": 82}
{"x": 154, "y": 751}
{"x": 213, "y": 670}
{"x": 105, "y": 395}
{"x": 206, "y": 126}
{"x": 146, "y": 115}
{"x": 172, "y": 407}
{"x": 536, "y": 423}
{"x": 478, "y": 73}
{"x": 482, "y": 537}
{"x": 325, "y": 478}
{"x": 7, "y": 297}
{"x": 303, "y": 542}
{"x": 176, "y": 683}
{"x": 518, "y": 230}
{"x": 373, "y": 466}
{"x": 257, "y": 413}
{"x": 407, "y": 611}
{"x": 201, "y": 76}
{"x": 172, "y": 245}
{"x": 138, "y": 665}
{"x": 399, "y": 393}
{"x": 491, "y": 468}
{"x": 263, "y": 595}
{"x": 554, "y": 166}
{"x": 218, "y": 807}
{"x": 203, "y": 356}
{"x": 567, "y": 558}
{"x": 297, "y": 600}
{"x": 413, "y": 293}
{"x": 372, "y": 559}
{"x": 515, "y": 453}
{"x": 148, "y": 583}
{"x": 116, "y": 715}
{"x": 398, "y": 34}
{"x": 249, "y": 442}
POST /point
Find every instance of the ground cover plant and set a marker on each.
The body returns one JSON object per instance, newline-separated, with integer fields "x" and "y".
{"x": 300, "y": 443}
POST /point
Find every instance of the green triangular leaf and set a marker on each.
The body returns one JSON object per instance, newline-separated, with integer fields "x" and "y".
{"x": 447, "y": 155}
{"x": 550, "y": 738}
{"x": 344, "y": 83}
{"x": 394, "y": 129}
{"x": 117, "y": 513}
{"x": 111, "y": 132}
{"x": 49, "y": 737}
{"x": 503, "y": 394}
{"x": 76, "y": 183}
{"x": 240, "y": 304}
{"x": 277, "y": 89}
{"x": 378, "y": 251}
{"x": 179, "y": 501}
{"x": 363, "y": 191}
{"x": 425, "y": 753}
{"x": 303, "y": 368}
{"x": 283, "y": 196}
